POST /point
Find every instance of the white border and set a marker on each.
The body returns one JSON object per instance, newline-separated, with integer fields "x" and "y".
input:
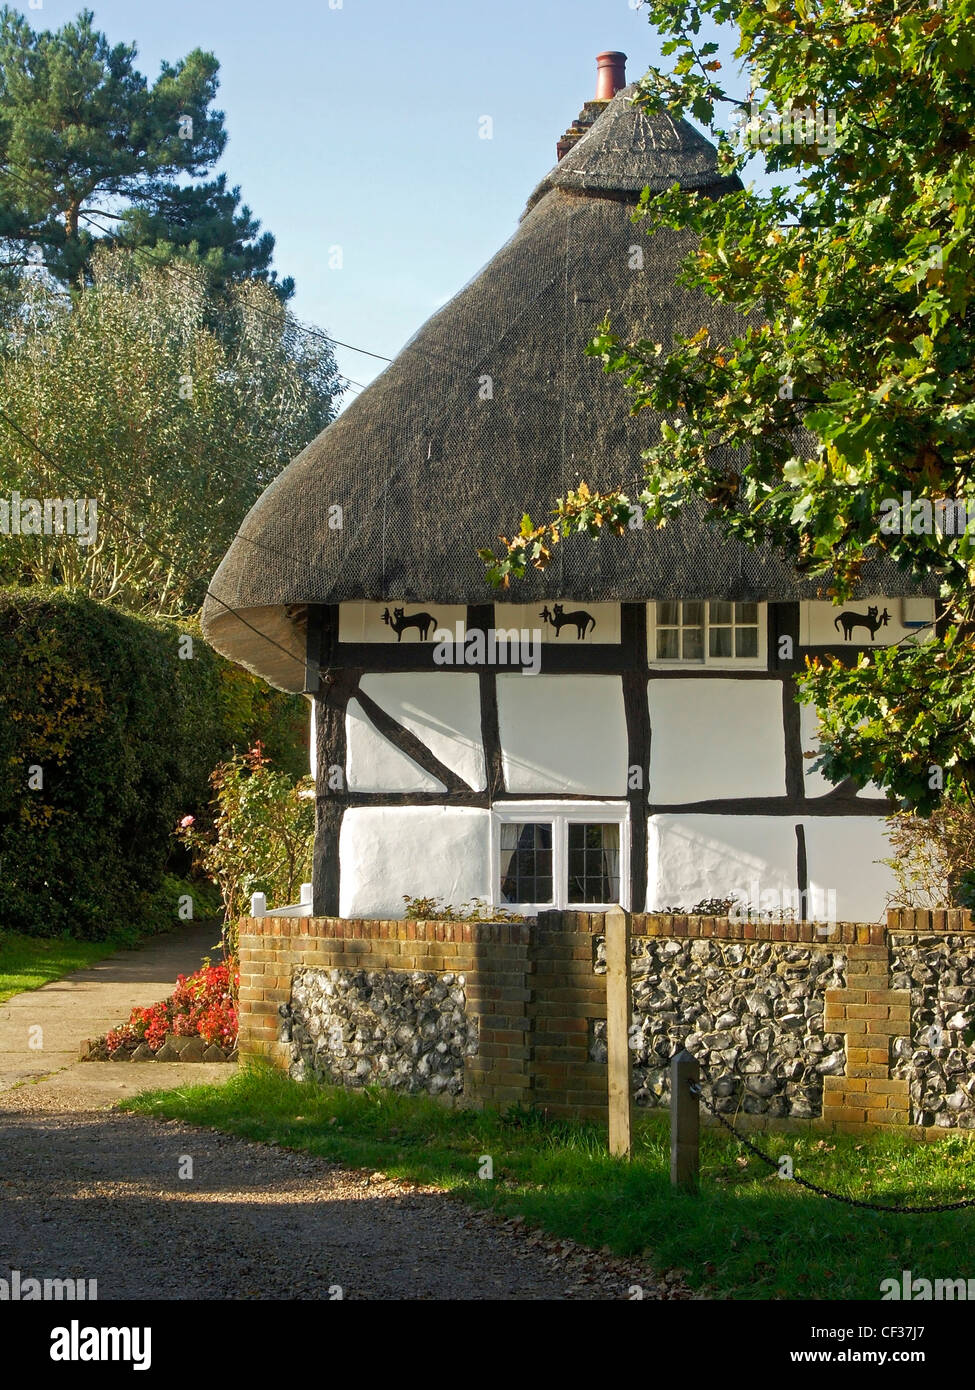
{"x": 710, "y": 663}
{"x": 560, "y": 813}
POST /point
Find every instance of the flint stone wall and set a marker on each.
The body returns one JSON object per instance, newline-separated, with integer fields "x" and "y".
{"x": 938, "y": 1059}
{"x": 404, "y": 1029}
{"x": 845, "y": 1038}
{"x": 751, "y": 1011}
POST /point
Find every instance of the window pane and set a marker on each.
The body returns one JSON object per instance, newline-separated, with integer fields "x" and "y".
{"x": 692, "y": 644}
{"x": 668, "y": 614}
{"x": 719, "y": 640}
{"x": 596, "y": 848}
{"x": 667, "y": 644}
{"x": 693, "y": 615}
{"x": 526, "y": 863}
{"x": 721, "y": 612}
{"x": 746, "y": 612}
{"x": 746, "y": 641}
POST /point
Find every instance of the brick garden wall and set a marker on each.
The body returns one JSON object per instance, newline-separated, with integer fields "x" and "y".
{"x": 534, "y": 999}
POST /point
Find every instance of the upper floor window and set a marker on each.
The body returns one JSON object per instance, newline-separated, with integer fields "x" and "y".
{"x": 707, "y": 632}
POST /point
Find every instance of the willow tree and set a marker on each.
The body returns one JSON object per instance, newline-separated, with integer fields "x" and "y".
{"x": 169, "y": 402}
{"x": 852, "y": 382}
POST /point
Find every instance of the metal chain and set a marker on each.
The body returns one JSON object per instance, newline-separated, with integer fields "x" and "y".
{"x": 822, "y": 1191}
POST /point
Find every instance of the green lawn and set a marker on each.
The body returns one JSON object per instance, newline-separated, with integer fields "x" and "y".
{"x": 27, "y": 962}
{"x": 747, "y": 1235}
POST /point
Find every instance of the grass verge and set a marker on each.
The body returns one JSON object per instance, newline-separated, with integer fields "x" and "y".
{"x": 747, "y": 1235}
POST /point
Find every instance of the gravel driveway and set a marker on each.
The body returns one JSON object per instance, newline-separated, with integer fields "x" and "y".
{"x": 96, "y": 1195}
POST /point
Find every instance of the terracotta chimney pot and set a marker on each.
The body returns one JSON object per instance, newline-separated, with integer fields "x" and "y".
{"x": 610, "y": 75}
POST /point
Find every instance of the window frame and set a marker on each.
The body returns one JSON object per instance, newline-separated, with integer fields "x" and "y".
{"x": 709, "y": 662}
{"x": 560, "y": 814}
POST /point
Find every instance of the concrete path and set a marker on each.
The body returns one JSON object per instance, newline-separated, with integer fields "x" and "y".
{"x": 41, "y": 1031}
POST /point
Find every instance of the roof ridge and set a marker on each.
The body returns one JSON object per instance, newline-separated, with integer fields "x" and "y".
{"x": 628, "y": 148}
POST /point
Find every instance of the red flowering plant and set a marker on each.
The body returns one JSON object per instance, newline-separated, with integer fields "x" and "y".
{"x": 202, "y": 1005}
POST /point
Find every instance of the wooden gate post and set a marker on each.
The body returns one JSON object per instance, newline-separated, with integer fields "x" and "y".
{"x": 618, "y": 1009}
{"x": 685, "y": 1122}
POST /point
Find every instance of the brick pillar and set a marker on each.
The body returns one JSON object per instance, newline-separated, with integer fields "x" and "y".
{"x": 869, "y": 1013}
{"x": 499, "y": 995}
{"x": 567, "y": 996}
{"x": 265, "y": 945}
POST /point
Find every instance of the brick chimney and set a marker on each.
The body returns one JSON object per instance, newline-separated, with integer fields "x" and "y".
{"x": 610, "y": 78}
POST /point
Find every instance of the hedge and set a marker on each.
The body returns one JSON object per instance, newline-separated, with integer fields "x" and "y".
{"x": 107, "y": 738}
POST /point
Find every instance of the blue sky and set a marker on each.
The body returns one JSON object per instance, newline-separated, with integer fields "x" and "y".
{"x": 357, "y": 126}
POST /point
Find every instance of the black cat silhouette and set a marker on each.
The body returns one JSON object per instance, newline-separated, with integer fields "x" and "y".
{"x": 582, "y": 620}
{"x": 423, "y": 622}
{"x": 869, "y": 620}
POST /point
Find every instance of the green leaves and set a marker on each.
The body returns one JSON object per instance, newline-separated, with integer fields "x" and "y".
{"x": 172, "y": 403}
{"x": 90, "y": 151}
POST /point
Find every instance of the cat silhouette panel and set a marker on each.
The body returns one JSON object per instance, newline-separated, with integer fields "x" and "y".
{"x": 871, "y": 621}
{"x": 401, "y": 621}
{"x": 398, "y": 621}
{"x": 565, "y": 622}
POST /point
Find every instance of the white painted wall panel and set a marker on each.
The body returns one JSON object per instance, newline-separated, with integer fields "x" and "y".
{"x": 441, "y": 708}
{"x": 373, "y": 764}
{"x": 563, "y": 734}
{"x": 695, "y": 857}
{"x": 715, "y": 738}
{"x": 422, "y": 851}
{"x": 842, "y": 855}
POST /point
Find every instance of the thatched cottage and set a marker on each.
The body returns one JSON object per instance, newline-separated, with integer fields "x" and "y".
{"x": 622, "y": 728}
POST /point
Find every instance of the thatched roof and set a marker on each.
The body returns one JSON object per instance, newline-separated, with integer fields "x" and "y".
{"x": 426, "y": 470}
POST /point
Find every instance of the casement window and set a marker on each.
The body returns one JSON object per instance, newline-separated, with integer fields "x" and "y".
{"x": 550, "y": 855}
{"x": 706, "y": 632}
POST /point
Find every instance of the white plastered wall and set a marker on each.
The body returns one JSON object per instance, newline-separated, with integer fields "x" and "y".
{"x": 443, "y": 710}
{"x": 708, "y": 856}
{"x": 754, "y": 858}
{"x": 421, "y": 851}
{"x": 563, "y": 734}
{"x": 529, "y": 616}
{"x": 820, "y": 624}
{"x": 814, "y": 782}
{"x": 373, "y": 764}
{"x": 714, "y": 739}
{"x": 841, "y": 856}
{"x": 363, "y": 622}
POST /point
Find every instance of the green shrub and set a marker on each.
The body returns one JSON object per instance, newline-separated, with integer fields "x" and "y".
{"x": 107, "y": 737}
{"x": 260, "y": 837}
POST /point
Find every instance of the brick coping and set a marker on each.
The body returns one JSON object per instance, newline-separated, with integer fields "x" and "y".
{"x": 650, "y": 924}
